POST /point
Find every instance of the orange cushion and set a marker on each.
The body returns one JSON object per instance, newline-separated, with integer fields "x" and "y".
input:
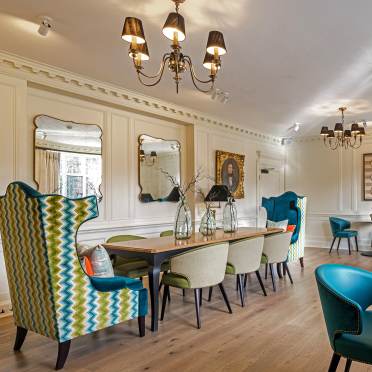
{"x": 88, "y": 266}
{"x": 291, "y": 228}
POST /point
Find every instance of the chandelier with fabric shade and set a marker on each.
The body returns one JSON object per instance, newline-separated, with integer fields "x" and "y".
{"x": 177, "y": 62}
{"x": 343, "y": 138}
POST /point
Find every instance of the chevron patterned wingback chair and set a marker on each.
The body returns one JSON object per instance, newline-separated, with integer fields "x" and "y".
{"x": 50, "y": 292}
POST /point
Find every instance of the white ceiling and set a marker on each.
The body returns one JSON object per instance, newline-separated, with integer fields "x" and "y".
{"x": 288, "y": 61}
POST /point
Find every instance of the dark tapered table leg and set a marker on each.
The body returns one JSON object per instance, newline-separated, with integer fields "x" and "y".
{"x": 154, "y": 275}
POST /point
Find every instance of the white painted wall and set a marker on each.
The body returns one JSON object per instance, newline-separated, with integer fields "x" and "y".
{"x": 332, "y": 181}
{"x": 24, "y": 95}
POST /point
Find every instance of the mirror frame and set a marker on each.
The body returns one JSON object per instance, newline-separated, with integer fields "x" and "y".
{"x": 139, "y": 162}
{"x": 100, "y": 196}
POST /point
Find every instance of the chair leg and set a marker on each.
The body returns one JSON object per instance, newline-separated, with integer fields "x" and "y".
{"x": 224, "y": 295}
{"x": 348, "y": 244}
{"x": 237, "y": 283}
{"x": 241, "y": 289}
{"x": 333, "y": 242}
{"x": 164, "y": 302}
{"x": 302, "y": 262}
{"x": 201, "y": 296}
{"x": 272, "y": 276}
{"x": 210, "y": 294}
{"x": 338, "y": 244}
{"x": 279, "y": 270}
{"x": 20, "y": 338}
{"x": 261, "y": 284}
{"x": 356, "y": 243}
{"x": 63, "y": 349}
{"x": 334, "y": 362}
{"x": 348, "y": 365}
{"x": 266, "y": 267}
{"x": 285, "y": 265}
{"x": 197, "y": 306}
{"x": 141, "y": 326}
{"x": 183, "y": 292}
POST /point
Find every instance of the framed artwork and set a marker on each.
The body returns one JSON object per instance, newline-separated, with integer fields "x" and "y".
{"x": 367, "y": 177}
{"x": 230, "y": 172}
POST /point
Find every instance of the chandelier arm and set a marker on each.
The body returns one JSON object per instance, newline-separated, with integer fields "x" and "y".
{"x": 335, "y": 145}
{"x": 195, "y": 84}
{"x": 192, "y": 71}
{"x": 161, "y": 69}
{"x": 139, "y": 73}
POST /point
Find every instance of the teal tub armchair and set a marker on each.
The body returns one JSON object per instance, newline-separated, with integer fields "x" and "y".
{"x": 341, "y": 229}
{"x": 345, "y": 294}
{"x": 50, "y": 292}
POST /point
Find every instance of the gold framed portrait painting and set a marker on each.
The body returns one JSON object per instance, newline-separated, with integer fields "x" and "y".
{"x": 230, "y": 172}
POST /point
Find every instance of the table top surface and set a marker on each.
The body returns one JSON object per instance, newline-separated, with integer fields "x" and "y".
{"x": 168, "y": 243}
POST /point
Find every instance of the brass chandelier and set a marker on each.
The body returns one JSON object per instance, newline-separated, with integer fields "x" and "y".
{"x": 340, "y": 138}
{"x": 177, "y": 62}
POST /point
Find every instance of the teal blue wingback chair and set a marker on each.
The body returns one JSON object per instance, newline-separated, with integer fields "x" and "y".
{"x": 340, "y": 229}
{"x": 292, "y": 207}
{"x": 345, "y": 294}
{"x": 50, "y": 292}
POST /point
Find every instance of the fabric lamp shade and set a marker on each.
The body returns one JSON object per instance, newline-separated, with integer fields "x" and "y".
{"x": 362, "y": 132}
{"x": 174, "y": 195}
{"x": 339, "y": 128}
{"x": 347, "y": 133}
{"x": 216, "y": 41}
{"x": 324, "y": 131}
{"x": 331, "y": 134}
{"x": 218, "y": 193}
{"x": 355, "y": 128}
{"x": 175, "y": 24}
{"x": 133, "y": 31}
{"x": 141, "y": 50}
{"x": 209, "y": 61}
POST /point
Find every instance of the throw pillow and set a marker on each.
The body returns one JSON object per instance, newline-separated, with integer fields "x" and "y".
{"x": 101, "y": 263}
{"x": 278, "y": 224}
{"x": 291, "y": 228}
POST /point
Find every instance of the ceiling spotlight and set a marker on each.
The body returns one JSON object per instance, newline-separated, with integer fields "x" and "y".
{"x": 45, "y": 25}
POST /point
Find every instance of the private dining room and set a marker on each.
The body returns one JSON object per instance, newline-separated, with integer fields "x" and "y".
{"x": 185, "y": 186}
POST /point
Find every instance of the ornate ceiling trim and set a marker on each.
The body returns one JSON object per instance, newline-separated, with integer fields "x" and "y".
{"x": 49, "y": 76}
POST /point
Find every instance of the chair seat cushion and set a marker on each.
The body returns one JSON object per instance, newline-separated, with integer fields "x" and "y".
{"x": 346, "y": 233}
{"x": 264, "y": 259}
{"x": 230, "y": 269}
{"x": 136, "y": 269}
{"x": 176, "y": 280}
{"x": 115, "y": 283}
{"x": 357, "y": 347}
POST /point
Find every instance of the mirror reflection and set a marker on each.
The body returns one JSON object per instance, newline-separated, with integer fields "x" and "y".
{"x": 68, "y": 157}
{"x": 156, "y": 156}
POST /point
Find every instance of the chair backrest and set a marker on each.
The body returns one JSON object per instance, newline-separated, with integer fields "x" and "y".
{"x": 344, "y": 292}
{"x": 123, "y": 238}
{"x": 245, "y": 255}
{"x": 338, "y": 224}
{"x": 39, "y": 240}
{"x": 204, "y": 267}
{"x": 276, "y": 247}
{"x": 166, "y": 233}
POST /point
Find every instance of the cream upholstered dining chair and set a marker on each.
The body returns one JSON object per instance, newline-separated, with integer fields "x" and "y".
{"x": 275, "y": 250}
{"x": 200, "y": 268}
{"x": 244, "y": 258}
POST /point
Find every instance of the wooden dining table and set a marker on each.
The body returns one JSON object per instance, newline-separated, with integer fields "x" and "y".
{"x": 157, "y": 250}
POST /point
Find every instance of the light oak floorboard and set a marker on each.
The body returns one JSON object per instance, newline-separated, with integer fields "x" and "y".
{"x": 282, "y": 332}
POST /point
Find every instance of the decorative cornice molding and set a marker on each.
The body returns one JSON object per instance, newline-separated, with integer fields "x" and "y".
{"x": 46, "y": 75}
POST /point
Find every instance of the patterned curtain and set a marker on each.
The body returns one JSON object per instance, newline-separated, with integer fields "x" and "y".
{"x": 47, "y": 168}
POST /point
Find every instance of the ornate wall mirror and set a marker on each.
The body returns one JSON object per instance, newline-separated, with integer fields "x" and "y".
{"x": 67, "y": 157}
{"x": 156, "y": 156}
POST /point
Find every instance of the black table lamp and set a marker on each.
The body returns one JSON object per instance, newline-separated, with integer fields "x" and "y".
{"x": 218, "y": 193}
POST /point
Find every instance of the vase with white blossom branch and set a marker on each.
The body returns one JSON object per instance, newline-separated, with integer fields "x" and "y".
{"x": 183, "y": 218}
{"x": 208, "y": 221}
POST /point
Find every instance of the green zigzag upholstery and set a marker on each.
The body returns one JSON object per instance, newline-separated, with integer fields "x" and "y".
{"x": 50, "y": 292}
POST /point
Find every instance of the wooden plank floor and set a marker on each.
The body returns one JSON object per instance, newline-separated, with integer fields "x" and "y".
{"x": 282, "y": 332}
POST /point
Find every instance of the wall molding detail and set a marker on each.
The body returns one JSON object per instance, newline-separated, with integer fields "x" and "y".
{"x": 61, "y": 79}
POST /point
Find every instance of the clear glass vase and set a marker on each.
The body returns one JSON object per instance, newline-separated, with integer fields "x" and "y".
{"x": 208, "y": 223}
{"x": 183, "y": 222}
{"x": 230, "y": 217}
